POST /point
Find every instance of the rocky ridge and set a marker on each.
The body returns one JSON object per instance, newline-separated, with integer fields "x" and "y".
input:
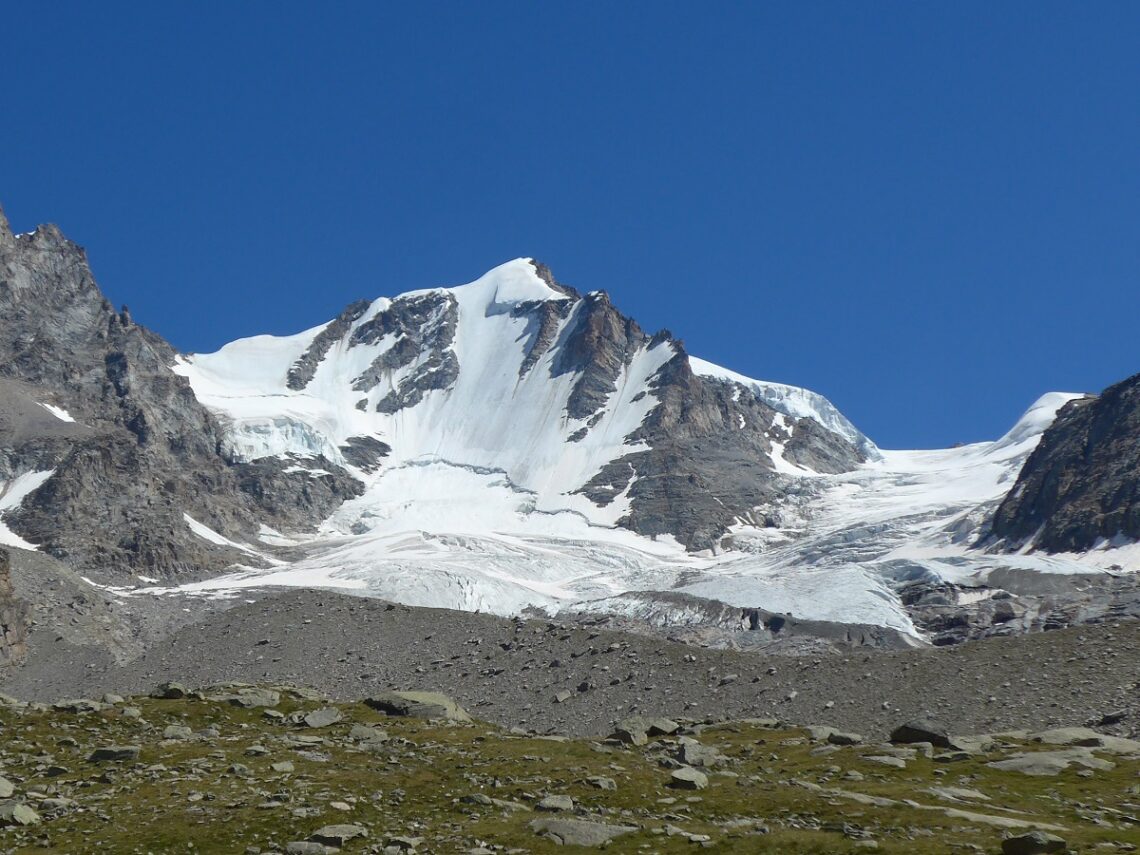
{"x": 1081, "y": 486}
{"x": 130, "y": 447}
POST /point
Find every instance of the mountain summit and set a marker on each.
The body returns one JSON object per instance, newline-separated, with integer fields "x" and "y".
{"x": 563, "y": 397}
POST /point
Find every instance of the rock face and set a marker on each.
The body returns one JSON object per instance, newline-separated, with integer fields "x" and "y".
{"x": 129, "y": 447}
{"x": 709, "y": 459}
{"x": 1082, "y": 483}
{"x": 1019, "y": 601}
{"x": 13, "y": 618}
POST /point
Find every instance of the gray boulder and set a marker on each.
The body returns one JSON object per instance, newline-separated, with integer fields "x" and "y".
{"x": 1033, "y": 843}
{"x": 632, "y": 731}
{"x": 368, "y": 734}
{"x": 426, "y": 705}
{"x": 307, "y": 847}
{"x": 692, "y": 753}
{"x": 322, "y": 717}
{"x": 687, "y": 778}
{"x": 555, "y": 803}
{"x": 1047, "y": 763}
{"x": 114, "y": 754}
{"x": 578, "y": 832}
{"x": 251, "y": 698}
{"x": 337, "y": 835}
{"x": 922, "y": 730}
{"x": 17, "y": 813}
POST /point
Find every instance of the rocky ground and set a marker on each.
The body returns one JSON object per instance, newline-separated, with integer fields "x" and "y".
{"x": 576, "y": 679}
{"x": 272, "y": 769}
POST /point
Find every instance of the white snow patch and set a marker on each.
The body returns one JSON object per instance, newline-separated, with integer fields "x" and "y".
{"x": 59, "y": 412}
{"x": 272, "y": 537}
{"x": 316, "y": 473}
{"x": 208, "y": 534}
{"x": 12, "y": 494}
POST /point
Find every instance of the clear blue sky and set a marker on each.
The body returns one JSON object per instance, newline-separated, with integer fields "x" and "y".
{"x": 928, "y": 212}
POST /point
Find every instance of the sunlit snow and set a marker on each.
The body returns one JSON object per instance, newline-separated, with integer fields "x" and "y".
{"x": 12, "y": 494}
{"x": 59, "y": 412}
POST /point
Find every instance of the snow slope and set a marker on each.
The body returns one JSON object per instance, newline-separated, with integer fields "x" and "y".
{"x": 475, "y": 506}
{"x": 491, "y": 418}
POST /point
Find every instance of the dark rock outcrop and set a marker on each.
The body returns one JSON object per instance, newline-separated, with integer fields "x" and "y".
{"x": 709, "y": 461}
{"x": 365, "y": 452}
{"x": 424, "y": 328}
{"x": 1015, "y": 601}
{"x": 1082, "y": 483}
{"x": 305, "y": 368}
{"x": 921, "y": 730}
{"x": 600, "y": 344}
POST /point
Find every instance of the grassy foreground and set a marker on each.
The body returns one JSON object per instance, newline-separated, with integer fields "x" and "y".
{"x": 211, "y": 776}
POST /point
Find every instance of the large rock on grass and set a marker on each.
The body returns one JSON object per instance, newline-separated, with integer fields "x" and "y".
{"x": 426, "y": 705}
{"x": 922, "y": 730}
{"x": 578, "y": 832}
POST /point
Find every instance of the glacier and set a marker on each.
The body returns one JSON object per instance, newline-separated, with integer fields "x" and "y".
{"x": 478, "y": 504}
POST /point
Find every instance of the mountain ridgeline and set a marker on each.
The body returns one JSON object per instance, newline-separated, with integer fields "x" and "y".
{"x": 98, "y": 402}
{"x": 409, "y": 418}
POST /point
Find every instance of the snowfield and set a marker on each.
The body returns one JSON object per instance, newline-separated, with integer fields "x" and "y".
{"x": 475, "y": 508}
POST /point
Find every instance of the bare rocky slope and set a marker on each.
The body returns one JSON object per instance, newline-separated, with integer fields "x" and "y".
{"x": 131, "y": 448}
{"x": 575, "y": 678}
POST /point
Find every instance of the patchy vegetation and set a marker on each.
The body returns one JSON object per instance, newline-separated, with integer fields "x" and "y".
{"x": 278, "y": 769}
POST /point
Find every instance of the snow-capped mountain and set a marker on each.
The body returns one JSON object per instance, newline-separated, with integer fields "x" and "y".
{"x": 556, "y": 397}
{"x": 498, "y": 445}
{"x": 520, "y": 433}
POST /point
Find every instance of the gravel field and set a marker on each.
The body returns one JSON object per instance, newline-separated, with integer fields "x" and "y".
{"x": 571, "y": 679}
